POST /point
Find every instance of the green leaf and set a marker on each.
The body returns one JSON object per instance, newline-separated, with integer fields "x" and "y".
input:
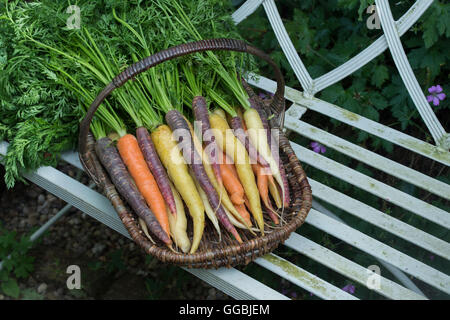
{"x": 362, "y": 136}
{"x": 332, "y": 93}
{"x": 31, "y": 294}
{"x": 433, "y": 60}
{"x": 388, "y": 146}
{"x": 430, "y": 34}
{"x": 11, "y": 288}
{"x": 401, "y": 112}
{"x": 380, "y": 75}
{"x": 363, "y": 7}
{"x": 4, "y": 275}
{"x": 25, "y": 267}
{"x": 371, "y": 113}
{"x": 364, "y": 170}
{"x": 378, "y": 101}
{"x": 348, "y": 4}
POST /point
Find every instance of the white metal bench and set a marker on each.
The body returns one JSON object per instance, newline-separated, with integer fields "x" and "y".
{"x": 241, "y": 286}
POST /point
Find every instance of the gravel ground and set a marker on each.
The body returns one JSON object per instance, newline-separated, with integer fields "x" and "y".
{"x": 112, "y": 266}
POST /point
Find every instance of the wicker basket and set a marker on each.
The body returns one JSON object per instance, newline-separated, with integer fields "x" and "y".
{"x": 211, "y": 253}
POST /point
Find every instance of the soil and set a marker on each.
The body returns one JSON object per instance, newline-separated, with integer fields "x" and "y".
{"x": 111, "y": 266}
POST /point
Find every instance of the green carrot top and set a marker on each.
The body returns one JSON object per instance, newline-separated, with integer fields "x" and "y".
{"x": 227, "y": 73}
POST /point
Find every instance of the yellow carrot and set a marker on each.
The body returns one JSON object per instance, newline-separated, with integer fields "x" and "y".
{"x": 220, "y": 188}
{"x": 177, "y": 169}
{"x": 258, "y": 136}
{"x": 220, "y": 112}
{"x": 274, "y": 191}
{"x": 227, "y": 141}
{"x": 209, "y": 211}
{"x": 178, "y": 223}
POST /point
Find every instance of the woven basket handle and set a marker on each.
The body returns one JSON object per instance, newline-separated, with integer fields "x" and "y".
{"x": 277, "y": 105}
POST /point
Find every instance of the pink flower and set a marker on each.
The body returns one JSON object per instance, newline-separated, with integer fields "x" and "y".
{"x": 317, "y": 147}
{"x": 436, "y": 94}
{"x": 349, "y": 288}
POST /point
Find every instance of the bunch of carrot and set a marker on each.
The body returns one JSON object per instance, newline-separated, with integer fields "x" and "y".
{"x": 166, "y": 164}
{"x": 157, "y": 171}
{"x": 147, "y": 140}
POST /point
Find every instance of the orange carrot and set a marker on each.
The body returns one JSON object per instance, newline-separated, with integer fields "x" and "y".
{"x": 232, "y": 169}
{"x": 244, "y": 213}
{"x": 232, "y": 183}
{"x": 262, "y": 181}
{"x": 133, "y": 158}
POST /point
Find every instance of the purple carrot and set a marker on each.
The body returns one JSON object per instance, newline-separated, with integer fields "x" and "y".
{"x": 201, "y": 114}
{"x": 156, "y": 167}
{"x": 176, "y": 121}
{"x": 111, "y": 160}
{"x": 239, "y": 132}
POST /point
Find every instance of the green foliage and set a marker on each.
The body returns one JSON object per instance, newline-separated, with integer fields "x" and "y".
{"x": 16, "y": 261}
{"x": 115, "y": 262}
{"x": 49, "y": 74}
{"x": 31, "y": 294}
{"x": 168, "y": 284}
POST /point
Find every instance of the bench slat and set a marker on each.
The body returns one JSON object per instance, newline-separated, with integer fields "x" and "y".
{"x": 245, "y": 10}
{"x": 373, "y": 186}
{"x": 75, "y": 158}
{"x": 303, "y": 278}
{"x": 380, "y": 219}
{"x": 379, "y": 250}
{"x": 368, "y": 157}
{"x": 348, "y": 268}
{"x": 237, "y": 284}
